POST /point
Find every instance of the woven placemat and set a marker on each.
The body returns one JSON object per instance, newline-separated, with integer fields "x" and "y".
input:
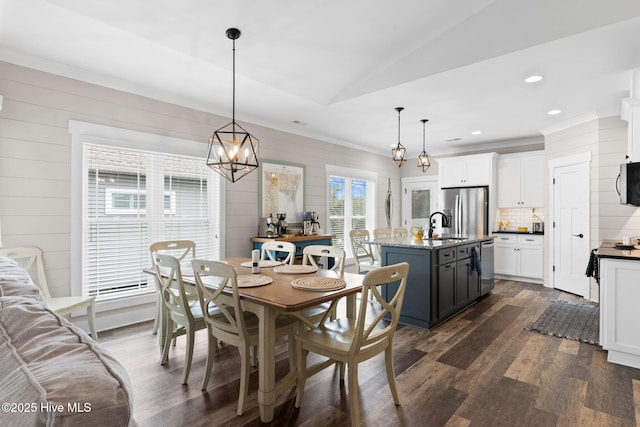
{"x": 262, "y": 263}
{"x": 252, "y": 280}
{"x": 295, "y": 269}
{"x": 318, "y": 284}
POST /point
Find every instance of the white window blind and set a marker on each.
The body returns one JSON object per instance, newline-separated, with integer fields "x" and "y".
{"x": 350, "y": 208}
{"x": 133, "y": 198}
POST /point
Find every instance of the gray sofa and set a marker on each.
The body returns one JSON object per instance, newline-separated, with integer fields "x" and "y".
{"x": 51, "y": 372}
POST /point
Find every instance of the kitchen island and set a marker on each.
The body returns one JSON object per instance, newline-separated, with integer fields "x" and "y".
{"x": 619, "y": 295}
{"x": 444, "y": 275}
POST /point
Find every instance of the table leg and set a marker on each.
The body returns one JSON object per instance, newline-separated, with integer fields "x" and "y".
{"x": 266, "y": 362}
{"x": 351, "y": 306}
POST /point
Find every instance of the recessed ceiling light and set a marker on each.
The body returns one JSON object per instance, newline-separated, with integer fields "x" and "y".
{"x": 533, "y": 79}
{"x": 476, "y": 132}
{"x": 554, "y": 112}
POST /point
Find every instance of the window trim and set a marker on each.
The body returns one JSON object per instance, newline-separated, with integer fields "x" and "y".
{"x": 84, "y": 132}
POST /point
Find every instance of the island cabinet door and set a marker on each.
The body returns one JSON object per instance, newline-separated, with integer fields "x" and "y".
{"x": 446, "y": 289}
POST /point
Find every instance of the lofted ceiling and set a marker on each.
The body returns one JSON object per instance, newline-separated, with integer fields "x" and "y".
{"x": 336, "y": 70}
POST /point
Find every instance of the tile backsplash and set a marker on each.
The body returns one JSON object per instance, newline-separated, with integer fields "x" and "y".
{"x": 518, "y": 217}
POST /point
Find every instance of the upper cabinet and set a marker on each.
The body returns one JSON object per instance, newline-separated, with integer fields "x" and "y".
{"x": 466, "y": 171}
{"x": 521, "y": 180}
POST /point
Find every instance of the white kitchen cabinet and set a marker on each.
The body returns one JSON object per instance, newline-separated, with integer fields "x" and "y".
{"x": 521, "y": 180}
{"x": 519, "y": 256}
{"x": 619, "y": 314}
{"x": 466, "y": 171}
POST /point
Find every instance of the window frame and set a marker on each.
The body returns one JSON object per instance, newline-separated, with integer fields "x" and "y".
{"x": 83, "y": 132}
{"x": 352, "y": 174}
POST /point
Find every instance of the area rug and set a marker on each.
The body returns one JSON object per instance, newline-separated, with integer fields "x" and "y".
{"x": 578, "y": 322}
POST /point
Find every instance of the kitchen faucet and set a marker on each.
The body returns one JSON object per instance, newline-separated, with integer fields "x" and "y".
{"x": 445, "y": 222}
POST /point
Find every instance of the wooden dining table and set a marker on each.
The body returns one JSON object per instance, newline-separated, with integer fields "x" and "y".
{"x": 279, "y": 297}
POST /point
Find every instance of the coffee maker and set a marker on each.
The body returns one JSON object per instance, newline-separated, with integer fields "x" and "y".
{"x": 282, "y": 223}
{"x": 311, "y": 223}
{"x": 268, "y": 227}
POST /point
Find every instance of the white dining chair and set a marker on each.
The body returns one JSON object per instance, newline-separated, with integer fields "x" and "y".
{"x": 183, "y": 251}
{"x": 269, "y": 251}
{"x": 400, "y": 232}
{"x": 182, "y": 314}
{"x": 362, "y": 252}
{"x": 351, "y": 341}
{"x": 229, "y": 323}
{"x": 311, "y": 253}
{"x": 31, "y": 259}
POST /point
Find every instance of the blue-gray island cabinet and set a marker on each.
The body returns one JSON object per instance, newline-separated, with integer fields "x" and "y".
{"x": 444, "y": 276}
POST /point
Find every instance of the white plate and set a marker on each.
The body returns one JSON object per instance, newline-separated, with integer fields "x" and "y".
{"x": 321, "y": 284}
{"x": 262, "y": 263}
{"x": 295, "y": 269}
{"x": 253, "y": 280}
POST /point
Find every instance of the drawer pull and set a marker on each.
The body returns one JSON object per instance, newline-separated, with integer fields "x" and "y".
{"x": 530, "y": 240}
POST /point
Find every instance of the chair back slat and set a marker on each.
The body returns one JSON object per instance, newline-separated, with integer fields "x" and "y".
{"x": 171, "y": 286}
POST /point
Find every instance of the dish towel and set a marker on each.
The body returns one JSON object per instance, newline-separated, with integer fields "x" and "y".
{"x": 592, "y": 266}
{"x": 475, "y": 260}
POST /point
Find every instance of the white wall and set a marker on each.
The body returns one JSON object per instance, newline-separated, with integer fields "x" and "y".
{"x": 35, "y": 189}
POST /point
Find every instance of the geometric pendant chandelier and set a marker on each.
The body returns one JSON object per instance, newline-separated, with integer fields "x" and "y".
{"x": 399, "y": 152}
{"x": 233, "y": 152}
{"x": 424, "y": 160}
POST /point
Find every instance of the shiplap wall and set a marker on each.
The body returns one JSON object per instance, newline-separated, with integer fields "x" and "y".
{"x": 35, "y": 190}
{"x": 606, "y": 140}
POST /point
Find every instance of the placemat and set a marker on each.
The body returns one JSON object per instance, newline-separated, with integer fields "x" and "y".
{"x": 318, "y": 284}
{"x": 262, "y": 263}
{"x": 252, "y": 280}
{"x": 295, "y": 269}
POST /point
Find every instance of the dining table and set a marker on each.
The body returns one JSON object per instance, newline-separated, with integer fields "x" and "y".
{"x": 282, "y": 296}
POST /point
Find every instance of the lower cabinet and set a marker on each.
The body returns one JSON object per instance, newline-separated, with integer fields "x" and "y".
{"x": 619, "y": 315}
{"x": 458, "y": 281}
{"x": 520, "y": 256}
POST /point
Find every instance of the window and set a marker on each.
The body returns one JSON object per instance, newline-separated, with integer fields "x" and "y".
{"x": 131, "y": 198}
{"x": 351, "y": 206}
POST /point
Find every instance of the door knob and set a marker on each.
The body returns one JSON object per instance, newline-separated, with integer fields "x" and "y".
{"x": 578, "y": 235}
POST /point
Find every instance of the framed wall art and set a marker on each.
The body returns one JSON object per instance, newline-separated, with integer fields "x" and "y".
{"x": 281, "y": 190}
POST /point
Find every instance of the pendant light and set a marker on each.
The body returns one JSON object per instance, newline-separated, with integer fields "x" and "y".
{"x": 424, "y": 160}
{"x": 399, "y": 153}
{"x": 233, "y": 152}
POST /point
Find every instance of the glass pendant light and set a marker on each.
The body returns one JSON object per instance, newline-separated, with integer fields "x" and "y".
{"x": 399, "y": 153}
{"x": 424, "y": 160}
{"x": 233, "y": 152}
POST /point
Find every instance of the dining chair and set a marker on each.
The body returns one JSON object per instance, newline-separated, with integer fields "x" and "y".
{"x": 381, "y": 233}
{"x": 31, "y": 259}
{"x": 351, "y": 341}
{"x": 362, "y": 252}
{"x": 400, "y": 232}
{"x": 269, "y": 249}
{"x": 184, "y": 251}
{"x": 311, "y": 253}
{"x": 182, "y": 314}
{"x": 231, "y": 324}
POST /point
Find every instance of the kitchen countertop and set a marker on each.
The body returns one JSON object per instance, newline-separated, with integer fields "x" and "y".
{"x": 425, "y": 243}
{"x": 608, "y": 250}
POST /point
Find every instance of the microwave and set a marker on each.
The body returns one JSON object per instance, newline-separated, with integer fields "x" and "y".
{"x": 630, "y": 183}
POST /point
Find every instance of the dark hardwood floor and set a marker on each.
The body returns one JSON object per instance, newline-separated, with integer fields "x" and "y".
{"x": 482, "y": 368}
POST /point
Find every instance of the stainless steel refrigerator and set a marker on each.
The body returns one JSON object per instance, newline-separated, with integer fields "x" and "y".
{"x": 467, "y": 209}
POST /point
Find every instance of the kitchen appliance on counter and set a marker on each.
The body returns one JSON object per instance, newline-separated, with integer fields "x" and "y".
{"x": 267, "y": 227}
{"x": 282, "y": 223}
{"x": 537, "y": 227}
{"x": 467, "y": 209}
{"x": 310, "y": 222}
{"x": 629, "y": 178}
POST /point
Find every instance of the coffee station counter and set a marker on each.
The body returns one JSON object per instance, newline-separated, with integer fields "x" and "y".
{"x": 294, "y": 239}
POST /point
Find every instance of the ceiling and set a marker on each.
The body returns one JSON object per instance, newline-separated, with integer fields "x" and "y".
{"x": 336, "y": 70}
